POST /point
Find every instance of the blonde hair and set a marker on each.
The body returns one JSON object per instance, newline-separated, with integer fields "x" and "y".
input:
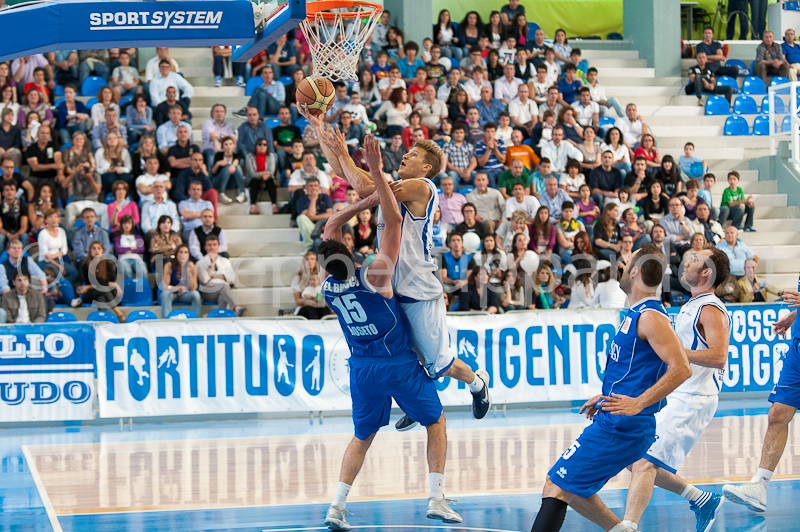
{"x": 114, "y": 154}
{"x": 519, "y": 216}
{"x": 432, "y": 156}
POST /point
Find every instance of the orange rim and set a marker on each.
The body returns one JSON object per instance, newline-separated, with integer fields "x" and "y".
{"x": 320, "y": 8}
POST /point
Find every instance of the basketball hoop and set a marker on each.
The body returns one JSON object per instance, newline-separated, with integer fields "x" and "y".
{"x": 336, "y": 38}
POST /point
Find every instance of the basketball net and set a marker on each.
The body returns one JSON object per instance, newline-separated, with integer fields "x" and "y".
{"x": 336, "y": 48}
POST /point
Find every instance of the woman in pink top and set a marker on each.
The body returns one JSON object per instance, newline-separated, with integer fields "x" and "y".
{"x": 121, "y": 206}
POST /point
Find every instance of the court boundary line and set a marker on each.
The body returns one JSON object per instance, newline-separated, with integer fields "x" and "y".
{"x": 425, "y": 527}
{"x": 37, "y": 480}
{"x": 695, "y": 482}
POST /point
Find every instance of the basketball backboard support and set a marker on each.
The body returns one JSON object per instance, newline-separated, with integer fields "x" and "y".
{"x": 45, "y": 26}
{"x": 279, "y": 23}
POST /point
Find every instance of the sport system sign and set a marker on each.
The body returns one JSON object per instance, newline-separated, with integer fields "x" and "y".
{"x": 144, "y": 20}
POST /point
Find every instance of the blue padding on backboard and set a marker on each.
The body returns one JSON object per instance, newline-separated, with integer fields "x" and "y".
{"x": 283, "y": 20}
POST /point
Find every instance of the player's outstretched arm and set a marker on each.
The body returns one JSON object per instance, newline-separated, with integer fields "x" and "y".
{"x": 715, "y": 331}
{"x": 333, "y": 228}
{"x": 381, "y": 269}
{"x": 782, "y": 326}
{"x": 656, "y": 329}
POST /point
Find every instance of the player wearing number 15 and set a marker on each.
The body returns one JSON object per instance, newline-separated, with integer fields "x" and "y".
{"x": 645, "y": 362}
{"x": 383, "y": 365}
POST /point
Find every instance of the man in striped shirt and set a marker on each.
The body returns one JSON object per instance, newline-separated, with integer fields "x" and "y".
{"x": 491, "y": 154}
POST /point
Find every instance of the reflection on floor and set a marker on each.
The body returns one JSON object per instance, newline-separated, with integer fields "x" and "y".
{"x": 280, "y": 475}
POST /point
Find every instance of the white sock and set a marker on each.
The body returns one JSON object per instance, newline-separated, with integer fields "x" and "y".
{"x": 620, "y": 527}
{"x": 763, "y": 476}
{"x": 437, "y": 485}
{"x": 476, "y": 385}
{"x": 690, "y": 493}
{"x": 340, "y": 499}
{"x": 631, "y": 525}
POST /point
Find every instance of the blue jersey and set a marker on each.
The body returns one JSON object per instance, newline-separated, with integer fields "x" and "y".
{"x": 374, "y": 326}
{"x": 633, "y": 366}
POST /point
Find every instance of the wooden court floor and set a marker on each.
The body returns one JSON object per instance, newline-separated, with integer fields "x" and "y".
{"x": 112, "y": 476}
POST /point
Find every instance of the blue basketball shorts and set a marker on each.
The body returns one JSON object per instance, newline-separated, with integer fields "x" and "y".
{"x": 787, "y": 391}
{"x": 601, "y": 452}
{"x": 374, "y": 382}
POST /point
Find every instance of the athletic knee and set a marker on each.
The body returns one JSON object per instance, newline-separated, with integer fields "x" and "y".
{"x": 780, "y": 414}
{"x": 643, "y": 466}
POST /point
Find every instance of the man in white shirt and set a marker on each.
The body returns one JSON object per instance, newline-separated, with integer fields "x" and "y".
{"x": 167, "y": 78}
{"x": 152, "y": 65}
{"x": 167, "y": 133}
{"x": 540, "y": 84}
{"x": 430, "y": 109}
{"x": 599, "y": 94}
{"x": 587, "y": 112}
{"x": 489, "y": 203}
{"x": 446, "y": 92}
{"x": 473, "y": 86}
{"x": 519, "y": 201}
{"x": 191, "y": 209}
{"x": 214, "y": 129}
{"x": 381, "y": 29}
{"x": 559, "y": 151}
{"x": 523, "y": 111}
{"x": 632, "y": 126}
{"x": 299, "y": 178}
{"x": 677, "y": 226}
{"x": 145, "y": 181}
{"x": 216, "y": 275}
{"x": 388, "y": 84}
{"x": 506, "y": 88}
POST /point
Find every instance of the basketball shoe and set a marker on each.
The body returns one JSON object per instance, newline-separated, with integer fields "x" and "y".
{"x": 706, "y": 510}
{"x": 481, "y": 401}
{"x": 336, "y": 519}
{"x": 751, "y": 494}
{"x": 440, "y": 509}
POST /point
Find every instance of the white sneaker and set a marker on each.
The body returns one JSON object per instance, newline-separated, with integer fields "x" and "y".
{"x": 75, "y": 303}
{"x": 441, "y": 510}
{"x": 224, "y": 199}
{"x": 752, "y": 494}
{"x": 336, "y": 519}
{"x": 241, "y": 197}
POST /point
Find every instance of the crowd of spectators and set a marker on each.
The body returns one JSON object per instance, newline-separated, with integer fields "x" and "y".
{"x": 527, "y": 167}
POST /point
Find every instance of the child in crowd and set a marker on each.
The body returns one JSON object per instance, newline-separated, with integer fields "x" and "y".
{"x": 709, "y": 180}
{"x": 508, "y": 52}
{"x": 735, "y": 204}
{"x": 53, "y": 294}
{"x": 624, "y": 201}
{"x": 504, "y": 129}
{"x": 425, "y": 54}
{"x": 572, "y": 179}
{"x": 544, "y": 281}
{"x": 540, "y": 84}
{"x": 587, "y": 209}
{"x": 580, "y": 65}
{"x": 338, "y": 189}
{"x": 539, "y": 177}
{"x": 313, "y": 290}
{"x": 483, "y": 45}
{"x": 566, "y": 229}
{"x": 544, "y": 129}
{"x": 357, "y": 110}
{"x": 381, "y": 67}
{"x": 687, "y": 160}
{"x": 553, "y": 70}
{"x": 294, "y": 160}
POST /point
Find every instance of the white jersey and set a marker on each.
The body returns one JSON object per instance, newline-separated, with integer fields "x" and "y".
{"x": 704, "y": 381}
{"x": 415, "y": 274}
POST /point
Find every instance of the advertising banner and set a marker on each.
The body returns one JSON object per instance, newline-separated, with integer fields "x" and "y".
{"x": 46, "y": 372}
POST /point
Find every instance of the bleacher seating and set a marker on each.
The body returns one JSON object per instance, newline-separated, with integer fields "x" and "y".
{"x": 753, "y": 85}
{"x": 61, "y": 317}
{"x": 745, "y": 105}
{"x": 92, "y": 85}
{"x": 102, "y": 316}
{"x": 137, "y": 315}
{"x": 736, "y": 125}
{"x": 727, "y": 81}
{"x": 780, "y": 107}
{"x": 717, "y": 105}
{"x": 761, "y": 125}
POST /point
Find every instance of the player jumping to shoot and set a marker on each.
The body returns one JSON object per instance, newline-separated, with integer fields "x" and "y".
{"x": 703, "y": 327}
{"x": 645, "y": 363}
{"x": 414, "y": 281}
{"x": 383, "y": 365}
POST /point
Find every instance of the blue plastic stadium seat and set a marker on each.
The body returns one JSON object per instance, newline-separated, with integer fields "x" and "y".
{"x": 717, "y": 105}
{"x": 753, "y": 85}
{"x": 786, "y": 125}
{"x": 102, "y": 316}
{"x": 466, "y": 190}
{"x": 779, "y": 80}
{"x": 745, "y": 105}
{"x": 752, "y": 67}
{"x": 137, "y": 315}
{"x": 61, "y": 317}
{"x": 761, "y": 126}
{"x": 221, "y": 313}
{"x": 59, "y": 90}
{"x": 273, "y": 122}
{"x": 65, "y": 146}
{"x": 301, "y": 124}
{"x": 92, "y": 85}
{"x": 136, "y": 292}
{"x": 133, "y": 147}
{"x": 780, "y": 107}
{"x": 58, "y": 101}
{"x": 125, "y": 101}
{"x": 606, "y": 121}
{"x": 737, "y": 63}
{"x": 614, "y": 36}
{"x": 286, "y": 80}
{"x": 736, "y": 125}
{"x": 90, "y": 102}
{"x": 454, "y": 63}
{"x": 727, "y": 81}
{"x": 252, "y": 85}
{"x": 182, "y": 314}
{"x": 532, "y": 27}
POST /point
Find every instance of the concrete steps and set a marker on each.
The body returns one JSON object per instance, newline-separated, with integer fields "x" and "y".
{"x": 249, "y": 236}
{"x": 276, "y": 297}
{"x": 749, "y": 187}
{"x": 762, "y": 200}
{"x": 266, "y": 221}
{"x": 265, "y": 249}
{"x": 771, "y": 238}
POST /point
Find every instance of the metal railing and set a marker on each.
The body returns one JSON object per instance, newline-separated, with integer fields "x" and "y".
{"x": 776, "y": 132}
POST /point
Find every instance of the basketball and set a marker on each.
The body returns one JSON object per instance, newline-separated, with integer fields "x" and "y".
{"x": 316, "y": 93}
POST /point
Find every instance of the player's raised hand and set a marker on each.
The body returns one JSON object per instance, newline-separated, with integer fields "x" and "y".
{"x": 620, "y": 405}
{"x": 792, "y": 298}
{"x": 313, "y": 120}
{"x": 590, "y": 407}
{"x": 372, "y": 152}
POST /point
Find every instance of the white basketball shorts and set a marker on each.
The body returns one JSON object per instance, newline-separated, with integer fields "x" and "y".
{"x": 678, "y": 427}
{"x": 429, "y": 333}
